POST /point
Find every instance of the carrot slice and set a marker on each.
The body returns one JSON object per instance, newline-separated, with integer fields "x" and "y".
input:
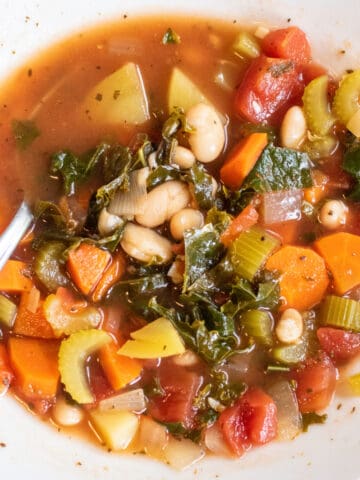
{"x": 341, "y": 252}
{"x": 86, "y": 265}
{"x": 6, "y": 373}
{"x": 119, "y": 370}
{"x": 12, "y": 278}
{"x": 111, "y": 275}
{"x": 35, "y": 364}
{"x": 304, "y": 278}
{"x": 242, "y": 159}
{"x": 32, "y": 324}
{"x": 246, "y": 219}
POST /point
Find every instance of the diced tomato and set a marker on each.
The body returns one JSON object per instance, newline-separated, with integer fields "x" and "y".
{"x": 339, "y": 344}
{"x": 252, "y": 420}
{"x": 312, "y": 70}
{"x": 315, "y": 383}
{"x": 6, "y": 373}
{"x": 246, "y": 219}
{"x": 288, "y": 43}
{"x": 269, "y": 87}
{"x": 180, "y": 387}
{"x": 99, "y": 385}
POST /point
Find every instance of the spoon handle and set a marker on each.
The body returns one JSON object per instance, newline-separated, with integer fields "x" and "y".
{"x": 14, "y": 232}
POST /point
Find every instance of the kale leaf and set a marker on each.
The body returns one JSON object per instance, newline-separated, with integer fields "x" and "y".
{"x": 351, "y": 165}
{"x": 170, "y": 36}
{"x": 203, "y": 185}
{"x": 25, "y": 132}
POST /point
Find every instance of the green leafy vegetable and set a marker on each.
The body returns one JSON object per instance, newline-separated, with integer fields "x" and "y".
{"x": 351, "y": 165}
{"x": 162, "y": 174}
{"x": 202, "y": 251}
{"x": 25, "y": 132}
{"x": 279, "y": 169}
{"x": 203, "y": 185}
{"x": 49, "y": 265}
{"x": 170, "y": 37}
{"x": 311, "y": 419}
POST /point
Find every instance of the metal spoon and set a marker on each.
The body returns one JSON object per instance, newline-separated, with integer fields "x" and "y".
{"x": 14, "y": 232}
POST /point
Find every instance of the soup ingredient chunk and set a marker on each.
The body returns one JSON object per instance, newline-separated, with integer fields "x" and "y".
{"x": 289, "y": 43}
{"x": 116, "y": 429}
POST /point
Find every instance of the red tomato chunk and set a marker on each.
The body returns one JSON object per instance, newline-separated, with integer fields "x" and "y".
{"x": 315, "y": 383}
{"x": 288, "y": 43}
{"x": 250, "y": 421}
{"x": 269, "y": 87}
{"x": 340, "y": 345}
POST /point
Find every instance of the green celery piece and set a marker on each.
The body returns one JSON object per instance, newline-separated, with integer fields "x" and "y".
{"x": 291, "y": 354}
{"x": 346, "y": 100}
{"x": 7, "y": 311}
{"x": 341, "y": 312}
{"x": 246, "y": 45}
{"x": 47, "y": 266}
{"x": 249, "y": 251}
{"x": 258, "y": 324}
{"x": 316, "y": 108}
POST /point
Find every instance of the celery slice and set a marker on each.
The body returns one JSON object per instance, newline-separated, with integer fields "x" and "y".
{"x": 249, "y": 251}
{"x": 316, "y": 106}
{"x": 320, "y": 147}
{"x": 73, "y": 354}
{"x": 246, "y": 45}
{"x": 183, "y": 92}
{"x": 291, "y": 354}
{"x": 353, "y": 125}
{"x": 341, "y": 312}
{"x": 258, "y": 324}
{"x": 47, "y": 266}
{"x": 346, "y": 100}
{"x": 119, "y": 98}
{"x": 7, "y": 311}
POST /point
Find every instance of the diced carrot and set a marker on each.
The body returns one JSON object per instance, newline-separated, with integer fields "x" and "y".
{"x": 112, "y": 274}
{"x": 6, "y": 373}
{"x": 303, "y": 276}
{"x": 242, "y": 159}
{"x": 32, "y": 324}
{"x": 69, "y": 300}
{"x": 86, "y": 265}
{"x": 13, "y": 279}
{"x": 246, "y": 219}
{"x": 288, "y": 43}
{"x": 35, "y": 364}
{"x": 320, "y": 188}
{"x": 119, "y": 370}
{"x": 341, "y": 252}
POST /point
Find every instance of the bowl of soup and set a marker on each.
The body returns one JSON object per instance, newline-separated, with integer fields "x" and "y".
{"x": 185, "y": 303}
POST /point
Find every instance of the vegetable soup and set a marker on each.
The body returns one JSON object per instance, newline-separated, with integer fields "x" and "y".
{"x": 190, "y": 284}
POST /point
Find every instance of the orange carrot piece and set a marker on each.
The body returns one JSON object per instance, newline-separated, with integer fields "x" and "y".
{"x": 35, "y": 364}
{"x": 112, "y": 274}
{"x": 242, "y": 159}
{"x": 341, "y": 252}
{"x": 86, "y": 265}
{"x": 6, "y": 373}
{"x": 320, "y": 188}
{"x": 246, "y": 219}
{"x": 32, "y": 324}
{"x": 119, "y": 370}
{"x": 12, "y": 278}
{"x": 303, "y": 280}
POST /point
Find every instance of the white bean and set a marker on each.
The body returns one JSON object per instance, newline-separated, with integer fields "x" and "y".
{"x": 333, "y": 214}
{"x": 176, "y": 272}
{"x": 290, "y": 326}
{"x": 163, "y": 202}
{"x": 107, "y": 222}
{"x": 183, "y": 157}
{"x": 66, "y": 414}
{"x": 208, "y": 138}
{"x": 145, "y": 244}
{"x": 293, "y": 128}
{"x": 184, "y": 220}
{"x": 186, "y": 359}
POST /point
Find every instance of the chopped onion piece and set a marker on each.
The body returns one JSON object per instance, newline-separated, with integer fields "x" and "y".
{"x": 281, "y": 206}
{"x": 134, "y": 401}
{"x": 153, "y": 437}
{"x": 288, "y": 414}
{"x": 131, "y": 201}
{"x": 227, "y": 74}
{"x": 33, "y": 300}
{"x": 215, "y": 442}
{"x": 182, "y": 453}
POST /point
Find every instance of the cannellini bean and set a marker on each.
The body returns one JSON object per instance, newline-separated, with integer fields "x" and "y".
{"x": 184, "y": 220}
{"x": 163, "y": 202}
{"x": 333, "y": 214}
{"x": 293, "y": 128}
{"x": 183, "y": 157}
{"x": 66, "y": 414}
{"x": 290, "y": 326}
{"x": 107, "y": 222}
{"x": 208, "y": 138}
{"x": 186, "y": 359}
{"x": 145, "y": 244}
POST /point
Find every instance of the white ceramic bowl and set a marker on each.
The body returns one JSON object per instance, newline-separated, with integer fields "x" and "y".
{"x": 36, "y": 451}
